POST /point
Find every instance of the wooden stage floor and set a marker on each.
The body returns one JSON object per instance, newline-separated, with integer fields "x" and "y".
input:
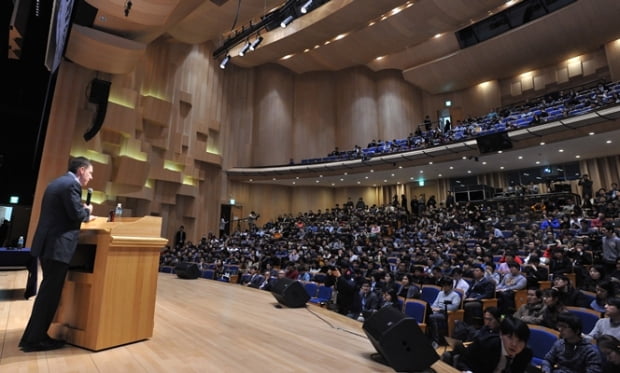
{"x": 203, "y": 326}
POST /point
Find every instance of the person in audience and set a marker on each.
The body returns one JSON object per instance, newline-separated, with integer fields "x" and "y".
{"x": 390, "y": 299}
{"x": 559, "y": 262}
{"x": 610, "y": 349}
{"x": 568, "y": 294}
{"x": 407, "y": 289}
{"x": 365, "y": 303}
{"x": 446, "y": 300}
{"x": 511, "y": 282}
{"x": 503, "y": 352}
{"x": 255, "y": 279}
{"x": 532, "y": 311}
{"x": 482, "y": 288}
{"x": 571, "y": 353}
{"x": 553, "y": 306}
{"x": 534, "y": 271}
{"x": 586, "y": 189}
{"x": 610, "y": 324}
{"x": 604, "y": 290}
{"x": 594, "y": 276}
{"x": 459, "y": 282}
{"x": 610, "y": 244}
{"x": 267, "y": 281}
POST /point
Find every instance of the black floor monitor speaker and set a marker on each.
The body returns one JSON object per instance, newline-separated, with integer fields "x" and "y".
{"x": 399, "y": 340}
{"x": 187, "y": 270}
{"x": 290, "y": 293}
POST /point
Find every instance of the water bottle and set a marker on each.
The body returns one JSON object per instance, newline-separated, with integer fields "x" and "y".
{"x": 20, "y": 242}
{"x": 118, "y": 212}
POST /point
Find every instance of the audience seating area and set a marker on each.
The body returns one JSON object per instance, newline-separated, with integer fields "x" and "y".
{"x": 543, "y": 110}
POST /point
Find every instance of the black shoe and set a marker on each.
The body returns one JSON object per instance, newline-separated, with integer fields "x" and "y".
{"x": 46, "y": 345}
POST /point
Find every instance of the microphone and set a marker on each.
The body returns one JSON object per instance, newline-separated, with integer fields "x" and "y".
{"x": 89, "y": 194}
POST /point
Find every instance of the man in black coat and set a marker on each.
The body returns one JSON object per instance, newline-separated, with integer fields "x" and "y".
{"x": 506, "y": 352}
{"x": 55, "y": 241}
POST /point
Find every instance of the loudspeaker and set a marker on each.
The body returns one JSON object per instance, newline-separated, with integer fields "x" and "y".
{"x": 494, "y": 142}
{"x": 399, "y": 340}
{"x": 290, "y": 293}
{"x": 187, "y": 270}
{"x": 99, "y": 92}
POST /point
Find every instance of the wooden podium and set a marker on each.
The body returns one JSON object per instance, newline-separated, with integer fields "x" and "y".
{"x": 109, "y": 295}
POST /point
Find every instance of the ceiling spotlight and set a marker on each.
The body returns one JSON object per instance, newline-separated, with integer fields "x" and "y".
{"x": 304, "y": 8}
{"x": 245, "y": 49}
{"x": 128, "y": 5}
{"x": 255, "y": 43}
{"x": 225, "y": 61}
{"x": 287, "y": 21}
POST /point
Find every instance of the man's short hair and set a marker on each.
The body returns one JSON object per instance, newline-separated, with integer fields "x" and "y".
{"x": 614, "y": 301}
{"x": 516, "y": 327}
{"x": 77, "y": 162}
{"x": 573, "y": 321}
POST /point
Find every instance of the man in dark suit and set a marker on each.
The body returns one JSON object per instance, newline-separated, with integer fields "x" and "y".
{"x": 506, "y": 352}
{"x": 482, "y": 288}
{"x": 179, "y": 237}
{"x": 55, "y": 241}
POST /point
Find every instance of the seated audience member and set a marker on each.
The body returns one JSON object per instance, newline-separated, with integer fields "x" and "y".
{"x": 459, "y": 281}
{"x": 559, "y": 262}
{"x": 407, "y": 289}
{"x": 610, "y": 349}
{"x": 614, "y": 275}
{"x": 266, "y": 282}
{"x": 365, "y": 303}
{"x": 534, "y": 271}
{"x": 593, "y": 276}
{"x": 255, "y": 280}
{"x": 568, "y": 294}
{"x": 481, "y": 288}
{"x": 506, "y": 352}
{"x": 532, "y": 311}
{"x": 447, "y": 300}
{"x": 511, "y": 282}
{"x": 610, "y": 324}
{"x": 553, "y": 306}
{"x": 390, "y": 299}
{"x": 604, "y": 290}
{"x": 571, "y": 353}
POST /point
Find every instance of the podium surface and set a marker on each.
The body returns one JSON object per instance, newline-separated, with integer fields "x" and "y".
{"x": 109, "y": 294}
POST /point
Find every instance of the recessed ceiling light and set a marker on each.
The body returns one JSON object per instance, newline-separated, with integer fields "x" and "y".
{"x": 520, "y": 157}
{"x": 577, "y": 156}
{"x": 469, "y": 171}
{"x": 392, "y": 175}
{"x": 499, "y": 152}
{"x": 608, "y": 142}
{"x": 542, "y": 143}
{"x": 431, "y": 162}
{"x": 359, "y": 182}
{"x": 501, "y": 167}
{"x": 561, "y": 150}
{"x": 421, "y": 171}
{"x": 537, "y": 162}
{"x": 484, "y": 162}
{"x": 464, "y": 157}
{"x": 439, "y": 175}
{"x": 591, "y": 133}
{"x": 452, "y": 167}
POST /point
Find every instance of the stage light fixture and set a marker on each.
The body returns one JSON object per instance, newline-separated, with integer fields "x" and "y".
{"x": 287, "y": 21}
{"x": 255, "y": 43}
{"x": 245, "y": 49}
{"x": 225, "y": 61}
{"x": 304, "y": 8}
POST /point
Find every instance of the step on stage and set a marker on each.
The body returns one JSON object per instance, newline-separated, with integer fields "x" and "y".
{"x": 204, "y": 326}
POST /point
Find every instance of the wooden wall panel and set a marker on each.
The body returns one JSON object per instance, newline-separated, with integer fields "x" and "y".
{"x": 398, "y": 105}
{"x": 273, "y": 115}
{"x": 356, "y": 106}
{"x": 612, "y": 53}
{"x": 315, "y": 116}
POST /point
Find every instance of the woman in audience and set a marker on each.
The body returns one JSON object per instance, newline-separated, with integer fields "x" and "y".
{"x": 604, "y": 290}
{"x": 553, "y": 308}
{"x": 610, "y": 349}
{"x": 407, "y": 289}
{"x": 594, "y": 276}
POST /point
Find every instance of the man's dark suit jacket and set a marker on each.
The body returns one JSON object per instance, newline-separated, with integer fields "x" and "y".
{"x": 482, "y": 289}
{"x": 483, "y": 355}
{"x": 62, "y": 212}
